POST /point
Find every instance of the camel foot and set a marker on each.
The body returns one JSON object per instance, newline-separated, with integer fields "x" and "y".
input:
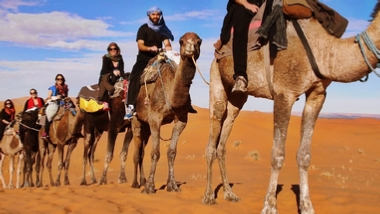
{"x": 94, "y": 181}
{"x": 38, "y": 184}
{"x": 67, "y": 182}
{"x": 209, "y": 199}
{"x": 10, "y": 186}
{"x": 142, "y": 181}
{"x": 149, "y": 188}
{"x": 122, "y": 178}
{"x": 103, "y": 181}
{"x": 58, "y": 183}
{"x": 306, "y": 207}
{"x": 230, "y": 196}
{"x": 83, "y": 182}
{"x": 172, "y": 186}
{"x": 135, "y": 185}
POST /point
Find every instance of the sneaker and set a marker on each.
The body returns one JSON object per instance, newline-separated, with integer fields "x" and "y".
{"x": 129, "y": 112}
{"x": 192, "y": 110}
{"x": 44, "y": 135}
{"x": 105, "y": 106}
{"x": 240, "y": 84}
{"x": 73, "y": 111}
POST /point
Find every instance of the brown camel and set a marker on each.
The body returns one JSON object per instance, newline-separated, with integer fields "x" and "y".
{"x": 29, "y": 137}
{"x": 339, "y": 60}
{"x": 169, "y": 102}
{"x": 64, "y": 131}
{"x": 11, "y": 146}
{"x": 113, "y": 122}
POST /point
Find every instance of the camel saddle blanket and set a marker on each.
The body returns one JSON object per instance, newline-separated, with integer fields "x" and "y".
{"x": 154, "y": 67}
{"x": 90, "y": 105}
{"x": 253, "y": 37}
{"x": 89, "y": 92}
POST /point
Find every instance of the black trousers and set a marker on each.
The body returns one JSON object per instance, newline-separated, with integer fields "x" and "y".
{"x": 239, "y": 18}
{"x": 134, "y": 80}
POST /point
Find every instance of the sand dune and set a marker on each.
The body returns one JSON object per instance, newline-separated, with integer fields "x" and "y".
{"x": 343, "y": 176}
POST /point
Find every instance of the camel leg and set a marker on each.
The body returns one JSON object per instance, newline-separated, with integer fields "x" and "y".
{"x": 88, "y": 139}
{"x": 2, "y": 156}
{"x": 112, "y": 135}
{"x": 28, "y": 168}
{"x": 60, "y": 164}
{"x": 37, "y": 160}
{"x": 141, "y": 166}
{"x": 11, "y": 163}
{"x": 70, "y": 150}
{"x": 91, "y": 155}
{"x": 155, "y": 156}
{"x": 123, "y": 155}
{"x": 50, "y": 151}
{"x": 314, "y": 103}
{"x": 179, "y": 126}
{"x": 281, "y": 114}
{"x": 138, "y": 143}
{"x": 41, "y": 162}
{"x": 19, "y": 164}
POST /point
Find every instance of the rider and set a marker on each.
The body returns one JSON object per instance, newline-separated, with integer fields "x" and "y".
{"x": 57, "y": 91}
{"x": 112, "y": 69}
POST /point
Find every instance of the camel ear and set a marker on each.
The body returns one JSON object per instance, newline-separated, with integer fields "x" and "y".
{"x": 199, "y": 42}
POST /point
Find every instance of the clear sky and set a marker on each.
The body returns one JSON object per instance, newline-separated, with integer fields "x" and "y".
{"x": 40, "y": 38}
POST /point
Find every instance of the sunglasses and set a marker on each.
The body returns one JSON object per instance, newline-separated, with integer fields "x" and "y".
{"x": 8, "y": 103}
{"x": 112, "y": 49}
{"x": 59, "y": 79}
{"x": 33, "y": 92}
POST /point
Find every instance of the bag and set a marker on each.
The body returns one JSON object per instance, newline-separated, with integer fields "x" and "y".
{"x": 298, "y": 9}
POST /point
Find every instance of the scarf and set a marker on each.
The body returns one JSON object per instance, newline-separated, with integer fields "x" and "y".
{"x": 62, "y": 89}
{"x": 31, "y": 103}
{"x": 10, "y": 111}
{"x": 115, "y": 58}
{"x": 160, "y": 27}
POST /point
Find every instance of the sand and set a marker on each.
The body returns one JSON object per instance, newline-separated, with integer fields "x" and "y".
{"x": 343, "y": 176}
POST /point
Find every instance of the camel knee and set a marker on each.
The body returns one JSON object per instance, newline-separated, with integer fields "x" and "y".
{"x": 171, "y": 154}
{"x": 108, "y": 159}
{"x": 210, "y": 154}
{"x": 221, "y": 152}
{"x": 303, "y": 160}
{"x": 277, "y": 162}
{"x": 155, "y": 156}
{"x": 219, "y": 109}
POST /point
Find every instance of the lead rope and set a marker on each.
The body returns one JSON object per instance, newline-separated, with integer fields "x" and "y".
{"x": 200, "y": 73}
{"x": 371, "y": 46}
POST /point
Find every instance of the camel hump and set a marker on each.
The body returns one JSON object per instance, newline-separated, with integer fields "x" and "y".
{"x": 154, "y": 67}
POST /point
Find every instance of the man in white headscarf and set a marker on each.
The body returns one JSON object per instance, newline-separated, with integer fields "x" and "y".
{"x": 150, "y": 38}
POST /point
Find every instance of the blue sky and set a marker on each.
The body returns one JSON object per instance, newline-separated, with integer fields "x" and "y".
{"x": 40, "y": 38}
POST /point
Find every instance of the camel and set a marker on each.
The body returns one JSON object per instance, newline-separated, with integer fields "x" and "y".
{"x": 29, "y": 137}
{"x": 64, "y": 131}
{"x": 113, "y": 122}
{"x": 168, "y": 102}
{"x": 339, "y": 60}
{"x": 11, "y": 146}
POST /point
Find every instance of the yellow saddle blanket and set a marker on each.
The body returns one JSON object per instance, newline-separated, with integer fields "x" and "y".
{"x": 90, "y": 105}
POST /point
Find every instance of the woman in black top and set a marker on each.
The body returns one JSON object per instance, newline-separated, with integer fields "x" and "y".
{"x": 112, "y": 69}
{"x": 7, "y": 115}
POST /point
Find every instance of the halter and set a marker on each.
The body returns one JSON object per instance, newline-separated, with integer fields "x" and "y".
{"x": 371, "y": 46}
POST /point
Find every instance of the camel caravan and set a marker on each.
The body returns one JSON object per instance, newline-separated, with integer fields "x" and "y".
{"x": 163, "y": 98}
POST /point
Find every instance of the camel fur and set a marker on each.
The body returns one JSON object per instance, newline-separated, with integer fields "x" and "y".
{"x": 11, "y": 146}
{"x": 168, "y": 102}
{"x": 64, "y": 131}
{"x": 339, "y": 60}
{"x": 103, "y": 121}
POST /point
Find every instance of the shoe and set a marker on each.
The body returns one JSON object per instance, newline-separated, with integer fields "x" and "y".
{"x": 240, "y": 84}
{"x": 105, "y": 106}
{"x": 73, "y": 111}
{"x": 44, "y": 135}
{"x": 192, "y": 110}
{"x": 129, "y": 112}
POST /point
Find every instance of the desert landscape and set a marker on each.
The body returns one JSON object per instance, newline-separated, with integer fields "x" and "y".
{"x": 343, "y": 177}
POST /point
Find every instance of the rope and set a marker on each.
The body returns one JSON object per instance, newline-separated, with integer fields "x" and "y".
{"x": 371, "y": 46}
{"x": 37, "y": 130}
{"x": 200, "y": 73}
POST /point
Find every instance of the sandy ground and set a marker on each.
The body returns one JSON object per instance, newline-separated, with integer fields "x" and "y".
{"x": 343, "y": 176}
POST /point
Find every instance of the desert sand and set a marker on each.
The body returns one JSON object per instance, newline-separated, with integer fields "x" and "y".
{"x": 343, "y": 176}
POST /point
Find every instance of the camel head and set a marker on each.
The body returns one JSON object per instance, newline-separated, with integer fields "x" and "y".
{"x": 190, "y": 44}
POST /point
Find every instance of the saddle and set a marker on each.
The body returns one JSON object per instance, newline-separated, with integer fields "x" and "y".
{"x": 88, "y": 96}
{"x": 154, "y": 67}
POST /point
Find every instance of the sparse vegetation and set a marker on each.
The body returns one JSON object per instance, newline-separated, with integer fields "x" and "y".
{"x": 327, "y": 174}
{"x": 237, "y": 144}
{"x": 190, "y": 157}
{"x": 255, "y": 155}
{"x": 361, "y": 151}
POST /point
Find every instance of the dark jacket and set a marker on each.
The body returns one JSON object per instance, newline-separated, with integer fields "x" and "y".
{"x": 332, "y": 21}
{"x": 108, "y": 68}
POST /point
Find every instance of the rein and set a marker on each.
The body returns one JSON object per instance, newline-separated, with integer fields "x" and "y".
{"x": 371, "y": 46}
{"x": 37, "y": 130}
